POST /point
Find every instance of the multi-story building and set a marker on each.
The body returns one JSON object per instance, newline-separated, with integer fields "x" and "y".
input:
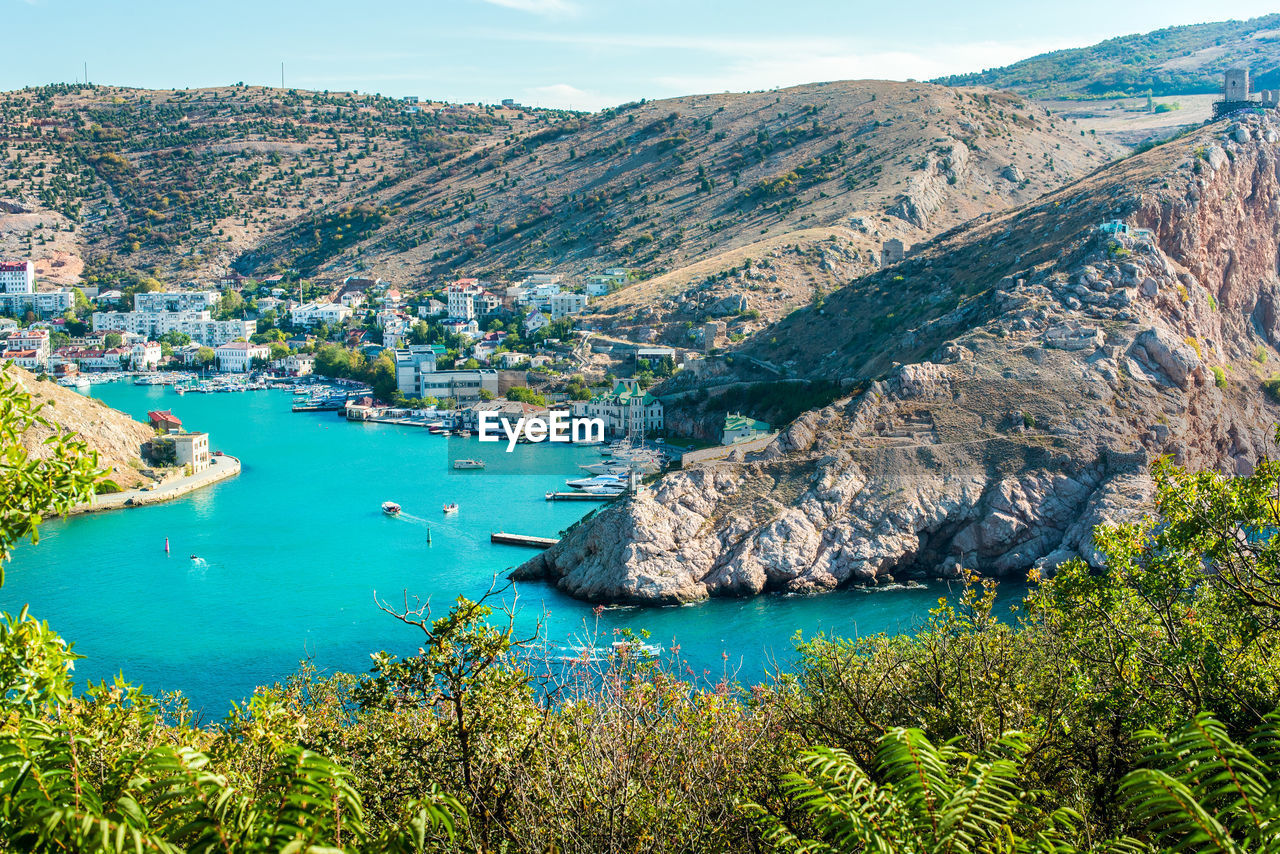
{"x": 145, "y": 356}
{"x": 534, "y": 321}
{"x": 468, "y": 299}
{"x": 565, "y": 304}
{"x": 627, "y": 410}
{"x": 44, "y": 304}
{"x": 313, "y": 313}
{"x": 156, "y": 301}
{"x": 237, "y": 356}
{"x": 417, "y": 377}
{"x": 295, "y": 364}
{"x": 28, "y": 348}
{"x": 17, "y": 277}
{"x": 199, "y": 326}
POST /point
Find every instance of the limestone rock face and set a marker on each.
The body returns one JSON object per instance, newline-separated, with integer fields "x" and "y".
{"x": 1005, "y": 427}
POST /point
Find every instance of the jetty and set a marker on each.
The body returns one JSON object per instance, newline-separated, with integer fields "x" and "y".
{"x": 581, "y": 496}
{"x": 522, "y": 540}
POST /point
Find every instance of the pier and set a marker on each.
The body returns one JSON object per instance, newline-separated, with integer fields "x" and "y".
{"x": 522, "y": 540}
{"x": 581, "y": 496}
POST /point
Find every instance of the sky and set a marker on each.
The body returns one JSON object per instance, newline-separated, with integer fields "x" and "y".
{"x": 578, "y": 54}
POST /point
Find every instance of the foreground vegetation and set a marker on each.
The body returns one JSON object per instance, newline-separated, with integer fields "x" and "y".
{"x": 1129, "y": 709}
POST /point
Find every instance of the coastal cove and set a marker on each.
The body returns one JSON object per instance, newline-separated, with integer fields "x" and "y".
{"x": 291, "y": 552}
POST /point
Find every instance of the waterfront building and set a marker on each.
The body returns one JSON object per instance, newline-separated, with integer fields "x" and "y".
{"x": 191, "y": 449}
{"x": 164, "y": 421}
{"x": 417, "y": 377}
{"x": 295, "y": 365}
{"x": 511, "y": 411}
{"x": 237, "y": 357}
{"x": 145, "y": 356}
{"x": 626, "y": 410}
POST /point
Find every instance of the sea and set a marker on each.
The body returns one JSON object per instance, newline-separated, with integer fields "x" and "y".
{"x": 235, "y": 585}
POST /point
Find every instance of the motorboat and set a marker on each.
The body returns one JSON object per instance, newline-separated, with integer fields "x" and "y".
{"x": 599, "y": 480}
{"x": 468, "y": 464}
{"x": 390, "y": 508}
{"x": 450, "y": 508}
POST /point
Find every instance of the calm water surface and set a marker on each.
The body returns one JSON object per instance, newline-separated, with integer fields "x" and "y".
{"x": 292, "y": 551}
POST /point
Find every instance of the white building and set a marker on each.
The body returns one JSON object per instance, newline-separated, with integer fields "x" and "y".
{"x": 433, "y": 308}
{"x": 627, "y": 410}
{"x": 237, "y": 356}
{"x": 154, "y": 301}
{"x": 42, "y": 303}
{"x": 145, "y": 356}
{"x": 28, "y": 348}
{"x": 417, "y": 377}
{"x": 295, "y": 364}
{"x": 566, "y": 304}
{"x": 191, "y": 449}
{"x": 535, "y": 321}
{"x": 467, "y": 299}
{"x": 312, "y": 313}
{"x": 199, "y": 326}
{"x": 17, "y": 277}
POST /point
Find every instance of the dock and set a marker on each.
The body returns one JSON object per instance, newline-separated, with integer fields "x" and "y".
{"x": 580, "y": 496}
{"x": 522, "y": 540}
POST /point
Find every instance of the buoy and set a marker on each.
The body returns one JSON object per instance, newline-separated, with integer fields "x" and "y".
{"x": 428, "y": 535}
{"x": 166, "y": 545}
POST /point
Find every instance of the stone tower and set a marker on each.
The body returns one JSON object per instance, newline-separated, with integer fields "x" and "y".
{"x": 1236, "y": 84}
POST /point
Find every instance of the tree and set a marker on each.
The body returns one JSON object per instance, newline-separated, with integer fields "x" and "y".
{"x": 485, "y": 394}
{"x": 112, "y": 340}
{"x": 174, "y": 338}
{"x": 205, "y": 356}
{"x": 526, "y": 395}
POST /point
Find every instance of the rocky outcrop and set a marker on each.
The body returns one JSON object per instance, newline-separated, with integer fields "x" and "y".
{"x": 116, "y": 437}
{"x": 1034, "y": 419}
{"x": 928, "y": 190}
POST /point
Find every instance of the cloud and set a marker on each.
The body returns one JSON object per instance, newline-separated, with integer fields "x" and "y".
{"x": 727, "y": 63}
{"x": 564, "y": 96}
{"x": 536, "y": 7}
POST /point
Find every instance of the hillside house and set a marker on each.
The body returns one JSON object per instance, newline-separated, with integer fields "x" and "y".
{"x": 740, "y": 428}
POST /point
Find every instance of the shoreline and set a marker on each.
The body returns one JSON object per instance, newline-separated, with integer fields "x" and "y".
{"x": 220, "y": 469}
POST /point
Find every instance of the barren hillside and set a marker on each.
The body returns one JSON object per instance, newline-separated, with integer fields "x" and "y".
{"x": 115, "y": 436}
{"x": 1007, "y": 389}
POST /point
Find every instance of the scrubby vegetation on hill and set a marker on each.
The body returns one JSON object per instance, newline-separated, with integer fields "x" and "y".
{"x": 1171, "y": 61}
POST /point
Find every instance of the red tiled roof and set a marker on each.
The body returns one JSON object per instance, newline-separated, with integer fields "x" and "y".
{"x": 163, "y": 416}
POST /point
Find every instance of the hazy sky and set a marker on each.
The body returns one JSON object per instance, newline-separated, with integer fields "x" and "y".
{"x": 584, "y": 54}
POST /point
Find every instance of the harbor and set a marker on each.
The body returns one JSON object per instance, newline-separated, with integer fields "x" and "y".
{"x": 301, "y": 586}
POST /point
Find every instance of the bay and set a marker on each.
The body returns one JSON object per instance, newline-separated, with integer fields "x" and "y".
{"x": 292, "y": 551}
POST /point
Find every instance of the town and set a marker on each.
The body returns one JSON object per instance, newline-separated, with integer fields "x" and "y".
{"x": 442, "y": 354}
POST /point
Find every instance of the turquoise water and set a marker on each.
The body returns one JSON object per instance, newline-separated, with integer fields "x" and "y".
{"x": 292, "y": 551}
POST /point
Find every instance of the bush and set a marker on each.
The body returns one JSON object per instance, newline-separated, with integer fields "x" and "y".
{"x": 1219, "y": 377}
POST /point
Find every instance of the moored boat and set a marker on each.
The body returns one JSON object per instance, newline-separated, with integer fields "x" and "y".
{"x": 468, "y": 464}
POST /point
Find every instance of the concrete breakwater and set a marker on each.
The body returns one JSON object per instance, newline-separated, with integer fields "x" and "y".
{"x": 220, "y": 468}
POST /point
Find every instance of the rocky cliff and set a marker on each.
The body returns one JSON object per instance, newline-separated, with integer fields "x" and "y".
{"x": 115, "y": 436}
{"x": 1014, "y": 382}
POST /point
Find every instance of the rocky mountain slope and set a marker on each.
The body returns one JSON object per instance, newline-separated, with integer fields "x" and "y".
{"x": 115, "y": 436}
{"x": 1009, "y": 387}
{"x": 1172, "y": 61}
{"x": 190, "y": 183}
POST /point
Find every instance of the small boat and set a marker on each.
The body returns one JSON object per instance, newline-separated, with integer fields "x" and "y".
{"x": 390, "y": 508}
{"x": 446, "y": 433}
{"x": 450, "y": 508}
{"x": 466, "y": 434}
{"x": 468, "y": 464}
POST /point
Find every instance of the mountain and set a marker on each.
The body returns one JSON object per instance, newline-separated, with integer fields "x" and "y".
{"x": 1005, "y": 390}
{"x": 116, "y": 437}
{"x": 1172, "y": 61}
{"x": 186, "y": 184}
